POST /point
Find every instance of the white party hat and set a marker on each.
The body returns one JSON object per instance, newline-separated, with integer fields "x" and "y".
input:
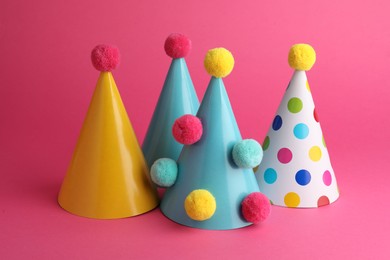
{"x": 296, "y": 170}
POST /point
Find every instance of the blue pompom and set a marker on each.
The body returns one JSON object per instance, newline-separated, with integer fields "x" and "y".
{"x": 164, "y": 172}
{"x": 247, "y": 153}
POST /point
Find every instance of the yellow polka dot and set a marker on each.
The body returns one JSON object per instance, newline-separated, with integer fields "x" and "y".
{"x": 200, "y": 205}
{"x": 307, "y": 86}
{"x": 292, "y": 200}
{"x": 315, "y": 153}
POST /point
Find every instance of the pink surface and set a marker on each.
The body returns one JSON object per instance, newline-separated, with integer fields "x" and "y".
{"x": 47, "y": 81}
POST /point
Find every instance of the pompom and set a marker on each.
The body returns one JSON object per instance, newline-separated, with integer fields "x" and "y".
{"x": 200, "y": 205}
{"x": 219, "y": 62}
{"x": 105, "y": 57}
{"x": 164, "y": 172}
{"x": 177, "y": 45}
{"x": 301, "y": 57}
{"x": 247, "y": 153}
{"x": 187, "y": 129}
{"x": 256, "y": 207}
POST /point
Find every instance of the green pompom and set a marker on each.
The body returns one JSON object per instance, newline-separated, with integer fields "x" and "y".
{"x": 164, "y": 172}
{"x": 247, "y": 153}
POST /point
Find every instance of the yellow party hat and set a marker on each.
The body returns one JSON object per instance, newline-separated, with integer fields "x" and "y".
{"x": 108, "y": 177}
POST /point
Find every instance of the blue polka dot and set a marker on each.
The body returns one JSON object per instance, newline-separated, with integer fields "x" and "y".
{"x": 277, "y": 123}
{"x": 303, "y": 177}
{"x": 270, "y": 176}
{"x": 301, "y": 131}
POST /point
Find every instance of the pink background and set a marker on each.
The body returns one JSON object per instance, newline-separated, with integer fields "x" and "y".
{"x": 47, "y": 81}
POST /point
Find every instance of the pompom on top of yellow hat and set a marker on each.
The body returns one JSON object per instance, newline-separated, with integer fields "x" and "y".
{"x": 219, "y": 62}
{"x": 301, "y": 57}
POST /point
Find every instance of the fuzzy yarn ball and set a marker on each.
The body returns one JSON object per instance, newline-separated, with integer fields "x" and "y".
{"x": 256, "y": 207}
{"x": 164, "y": 172}
{"x": 247, "y": 153}
{"x": 219, "y": 62}
{"x": 177, "y": 45}
{"x": 200, "y": 205}
{"x": 105, "y": 57}
{"x": 187, "y": 129}
{"x": 301, "y": 57}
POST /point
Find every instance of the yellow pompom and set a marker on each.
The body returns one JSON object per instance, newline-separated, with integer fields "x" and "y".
{"x": 219, "y": 62}
{"x": 200, "y": 205}
{"x": 301, "y": 57}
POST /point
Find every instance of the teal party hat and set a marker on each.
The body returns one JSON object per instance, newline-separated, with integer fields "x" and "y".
{"x": 213, "y": 185}
{"x": 178, "y": 97}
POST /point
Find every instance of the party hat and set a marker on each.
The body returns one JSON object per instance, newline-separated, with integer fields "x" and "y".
{"x": 212, "y": 186}
{"x": 178, "y": 97}
{"x": 296, "y": 169}
{"x": 108, "y": 177}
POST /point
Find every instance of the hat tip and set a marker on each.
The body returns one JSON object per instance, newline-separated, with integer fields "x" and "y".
{"x": 219, "y": 62}
{"x": 105, "y": 57}
{"x": 301, "y": 57}
{"x": 177, "y": 45}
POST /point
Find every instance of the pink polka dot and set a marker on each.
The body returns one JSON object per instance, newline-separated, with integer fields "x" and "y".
{"x": 284, "y": 155}
{"x": 327, "y": 178}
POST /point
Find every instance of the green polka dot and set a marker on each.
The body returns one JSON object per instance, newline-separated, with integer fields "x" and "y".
{"x": 323, "y": 141}
{"x": 266, "y": 143}
{"x": 295, "y": 105}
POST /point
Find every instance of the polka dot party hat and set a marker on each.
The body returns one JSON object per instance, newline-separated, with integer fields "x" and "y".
{"x": 296, "y": 170}
{"x": 212, "y": 185}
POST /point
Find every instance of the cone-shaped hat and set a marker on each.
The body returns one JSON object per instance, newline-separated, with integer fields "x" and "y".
{"x": 210, "y": 187}
{"x": 178, "y": 97}
{"x": 296, "y": 170}
{"x": 108, "y": 177}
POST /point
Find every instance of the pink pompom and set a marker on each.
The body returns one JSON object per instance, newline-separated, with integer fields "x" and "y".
{"x": 187, "y": 129}
{"x": 177, "y": 45}
{"x": 105, "y": 57}
{"x": 256, "y": 207}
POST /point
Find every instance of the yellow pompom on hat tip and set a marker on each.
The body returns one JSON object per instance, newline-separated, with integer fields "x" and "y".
{"x": 301, "y": 57}
{"x": 219, "y": 62}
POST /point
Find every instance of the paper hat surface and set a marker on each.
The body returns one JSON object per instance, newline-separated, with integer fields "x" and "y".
{"x": 296, "y": 170}
{"x": 208, "y": 189}
{"x": 178, "y": 97}
{"x": 108, "y": 177}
